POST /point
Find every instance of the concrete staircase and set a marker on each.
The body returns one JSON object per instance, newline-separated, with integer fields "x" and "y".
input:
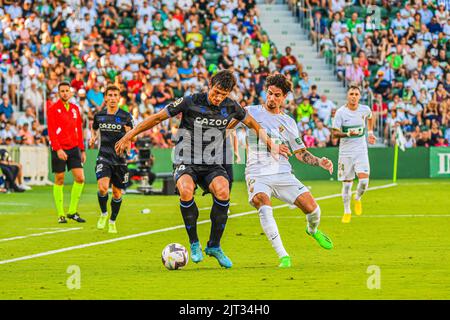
{"x": 283, "y": 29}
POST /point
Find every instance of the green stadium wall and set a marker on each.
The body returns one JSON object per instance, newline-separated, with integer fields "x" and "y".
{"x": 412, "y": 163}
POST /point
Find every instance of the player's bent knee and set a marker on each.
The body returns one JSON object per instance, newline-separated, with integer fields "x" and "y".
{"x": 222, "y": 193}
{"x": 186, "y": 191}
{"x": 117, "y": 193}
{"x": 260, "y": 199}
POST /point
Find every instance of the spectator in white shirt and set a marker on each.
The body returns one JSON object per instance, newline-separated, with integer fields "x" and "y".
{"x": 411, "y": 60}
{"x": 324, "y": 107}
{"x": 144, "y": 25}
{"x": 321, "y": 134}
{"x": 120, "y": 59}
{"x": 415, "y": 82}
{"x": 241, "y": 62}
{"x": 15, "y": 10}
{"x": 185, "y": 5}
{"x": 172, "y": 25}
{"x": 147, "y": 9}
{"x": 224, "y": 13}
{"x": 435, "y": 68}
{"x": 135, "y": 59}
{"x": 414, "y": 111}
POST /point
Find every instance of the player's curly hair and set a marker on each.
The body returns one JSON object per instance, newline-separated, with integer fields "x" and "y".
{"x": 280, "y": 81}
{"x": 224, "y": 79}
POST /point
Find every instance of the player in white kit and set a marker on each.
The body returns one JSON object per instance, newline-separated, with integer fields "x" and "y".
{"x": 349, "y": 125}
{"x": 267, "y": 175}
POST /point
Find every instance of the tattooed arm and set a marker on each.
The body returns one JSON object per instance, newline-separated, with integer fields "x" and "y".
{"x": 305, "y": 156}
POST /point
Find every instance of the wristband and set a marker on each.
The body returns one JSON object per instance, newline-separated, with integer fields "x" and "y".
{"x": 370, "y": 132}
{"x": 348, "y": 133}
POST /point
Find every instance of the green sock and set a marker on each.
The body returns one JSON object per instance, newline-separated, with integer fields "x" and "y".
{"x": 77, "y": 189}
{"x": 58, "y": 195}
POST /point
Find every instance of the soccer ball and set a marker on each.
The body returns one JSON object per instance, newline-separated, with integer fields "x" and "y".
{"x": 174, "y": 256}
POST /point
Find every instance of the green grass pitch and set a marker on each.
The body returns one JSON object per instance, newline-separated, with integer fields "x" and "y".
{"x": 404, "y": 231}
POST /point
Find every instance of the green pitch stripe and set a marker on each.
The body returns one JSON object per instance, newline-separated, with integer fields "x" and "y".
{"x": 137, "y": 235}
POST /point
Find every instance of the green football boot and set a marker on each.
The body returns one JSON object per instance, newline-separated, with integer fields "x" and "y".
{"x": 322, "y": 239}
{"x": 101, "y": 223}
{"x": 285, "y": 262}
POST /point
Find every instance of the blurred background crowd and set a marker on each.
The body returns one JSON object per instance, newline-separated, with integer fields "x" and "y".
{"x": 157, "y": 51}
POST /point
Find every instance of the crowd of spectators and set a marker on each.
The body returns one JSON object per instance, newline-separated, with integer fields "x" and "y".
{"x": 157, "y": 51}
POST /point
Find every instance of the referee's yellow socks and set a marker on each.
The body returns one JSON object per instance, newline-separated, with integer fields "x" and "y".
{"x": 77, "y": 189}
{"x": 58, "y": 195}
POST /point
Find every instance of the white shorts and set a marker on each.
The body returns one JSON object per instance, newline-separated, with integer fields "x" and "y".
{"x": 350, "y": 165}
{"x": 284, "y": 186}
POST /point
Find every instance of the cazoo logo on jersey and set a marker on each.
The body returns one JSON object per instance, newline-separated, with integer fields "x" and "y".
{"x": 211, "y": 122}
{"x": 110, "y": 126}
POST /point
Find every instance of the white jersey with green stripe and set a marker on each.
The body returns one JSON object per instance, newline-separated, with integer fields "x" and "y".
{"x": 283, "y": 130}
{"x": 347, "y": 120}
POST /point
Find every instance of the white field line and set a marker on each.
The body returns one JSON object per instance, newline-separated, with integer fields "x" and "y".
{"x": 132, "y": 236}
{"x": 378, "y": 216}
{"x": 39, "y": 234}
{"x": 15, "y": 204}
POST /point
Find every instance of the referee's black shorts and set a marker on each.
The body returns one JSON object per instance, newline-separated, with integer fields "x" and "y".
{"x": 73, "y": 161}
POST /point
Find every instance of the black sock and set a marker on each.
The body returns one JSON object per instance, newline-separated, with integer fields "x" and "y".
{"x": 219, "y": 217}
{"x": 115, "y": 207}
{"x": 103, "y": 202}
{"x": 189, "y": 211}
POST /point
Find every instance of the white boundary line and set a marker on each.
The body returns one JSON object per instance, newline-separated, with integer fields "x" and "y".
{"x": 380, "y": 216}
{"x": 39, "y": 234}
{"x": 132, "y": 236}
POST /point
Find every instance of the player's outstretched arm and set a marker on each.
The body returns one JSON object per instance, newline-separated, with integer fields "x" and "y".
{"x": 148, "y": 123}
{"x": 282, "y": 149}
{"x": 307, "y": 157}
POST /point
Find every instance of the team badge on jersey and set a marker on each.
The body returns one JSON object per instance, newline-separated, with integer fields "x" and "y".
{"x": 224, "y": 112}
{"x": 281, "y": 128}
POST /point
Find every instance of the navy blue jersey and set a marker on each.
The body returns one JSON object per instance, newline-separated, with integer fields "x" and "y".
{"x": 200, "y": 138}
{"x": 112, "y": 129}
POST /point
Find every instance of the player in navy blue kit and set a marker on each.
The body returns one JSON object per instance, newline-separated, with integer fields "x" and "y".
{"x": 110, "y": 125}
{"x": 199, "y": 155}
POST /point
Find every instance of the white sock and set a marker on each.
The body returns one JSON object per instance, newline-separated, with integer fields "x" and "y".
{"x": 347, "y": 195}
{"x": 313, "y": 220}
{"x": 104, "y": 214}
{"x": 271, "y": 230}
{"x": 362, "y": 186}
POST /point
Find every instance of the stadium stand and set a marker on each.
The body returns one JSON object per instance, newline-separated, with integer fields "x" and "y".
{"x": 157, "y": 51}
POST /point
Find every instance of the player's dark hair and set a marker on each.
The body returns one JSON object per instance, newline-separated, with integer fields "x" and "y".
{"x": 280, "y": 81}
{"x": 111, "y": 88}
{"x": 354, "y": 86}
{"x": 223, "y": 79}
{"x": 62, "y": 84}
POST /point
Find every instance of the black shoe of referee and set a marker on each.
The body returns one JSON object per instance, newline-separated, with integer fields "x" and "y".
{"x": 62, "y": 219}
{"x": 75, "y": 217}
